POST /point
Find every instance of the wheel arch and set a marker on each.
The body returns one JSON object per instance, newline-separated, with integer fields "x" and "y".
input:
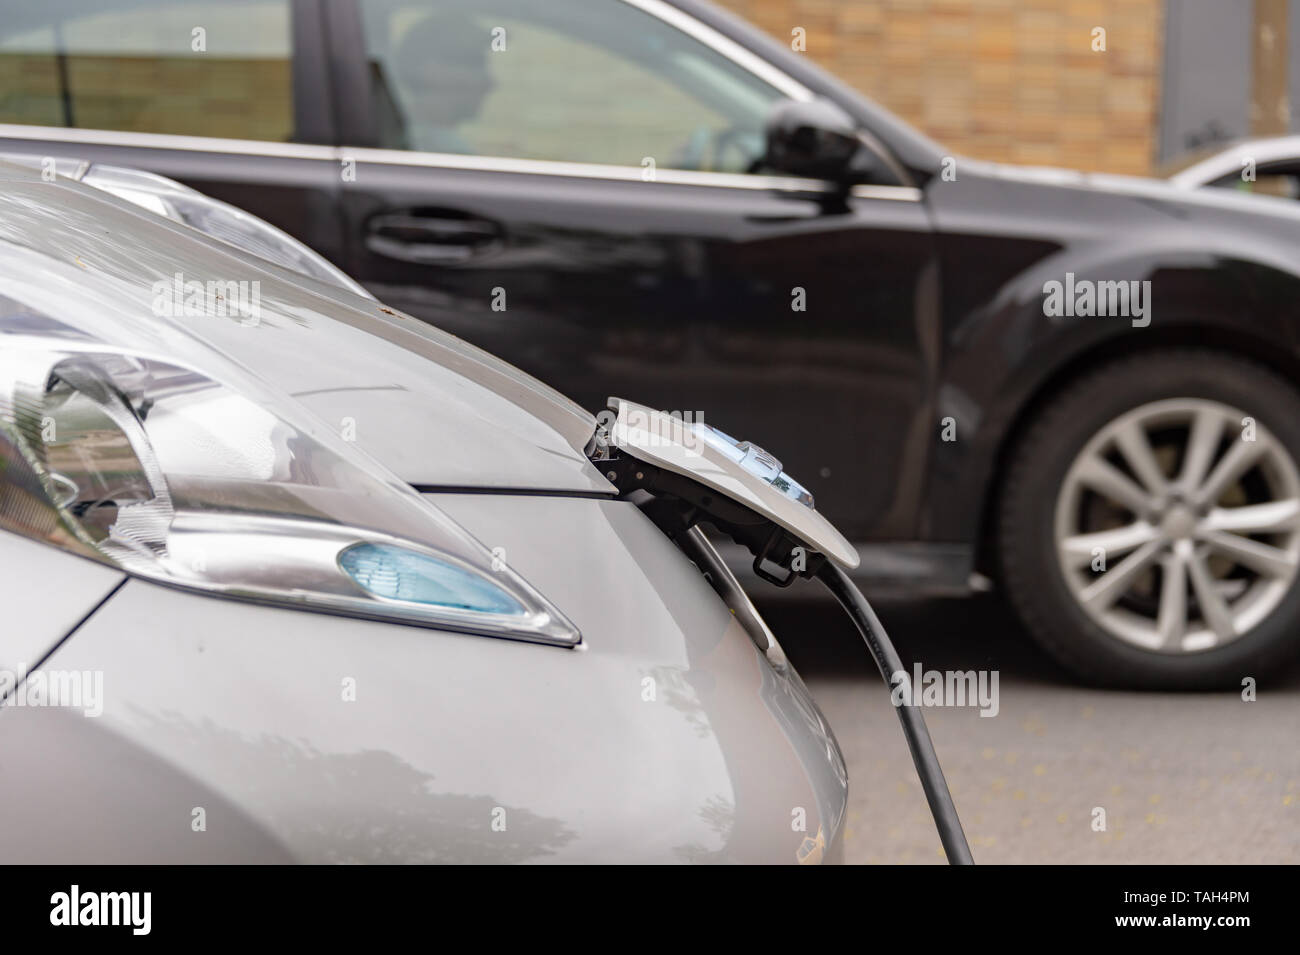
{"x": 1247, "y": 344}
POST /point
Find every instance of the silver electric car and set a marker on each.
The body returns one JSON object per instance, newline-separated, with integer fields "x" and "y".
{"x": 290, "y": 576}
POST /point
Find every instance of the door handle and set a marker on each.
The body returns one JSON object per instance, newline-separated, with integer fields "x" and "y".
{"x": 431, "y": 237}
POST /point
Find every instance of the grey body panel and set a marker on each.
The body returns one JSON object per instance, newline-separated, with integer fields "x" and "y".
{"x": 44, "y": 593}
{"x": 409, "y": 391}
{"x": 93, "y": 794}
{"x": 242, "y": 706}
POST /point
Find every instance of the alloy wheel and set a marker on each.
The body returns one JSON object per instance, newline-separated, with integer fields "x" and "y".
{"x": 1177, "y": 526}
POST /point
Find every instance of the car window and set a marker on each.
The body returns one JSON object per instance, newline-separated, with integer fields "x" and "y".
{"x": 215, "y": 68}
{"x": 1277, "y": 179}
{"x": 595, "y": 81}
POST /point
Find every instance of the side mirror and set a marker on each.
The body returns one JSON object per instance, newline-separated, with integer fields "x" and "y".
{"x": 813, "y": 139}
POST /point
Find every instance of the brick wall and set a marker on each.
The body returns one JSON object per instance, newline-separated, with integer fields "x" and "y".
{"x": 1012, "y": 80}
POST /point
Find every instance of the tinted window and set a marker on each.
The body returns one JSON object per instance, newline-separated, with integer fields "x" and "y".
{"x": 219, "y": 68}
{"x": 578, "y": 80}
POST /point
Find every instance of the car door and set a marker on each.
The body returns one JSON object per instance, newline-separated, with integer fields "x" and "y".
{"x": 227, "y": 96}
{"x": 571, "y": 185}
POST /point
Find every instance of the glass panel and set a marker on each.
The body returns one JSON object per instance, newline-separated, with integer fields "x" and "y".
{"x": 571, "y": 80}
{"x": 198, "y": 69}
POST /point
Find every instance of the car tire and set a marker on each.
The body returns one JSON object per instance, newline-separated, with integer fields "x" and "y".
{"x": 1065, "y": 521}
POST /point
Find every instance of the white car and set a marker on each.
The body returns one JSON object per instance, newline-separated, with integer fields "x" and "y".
{"x": 291, "y": 576}
{"x": 1268, "y": 166}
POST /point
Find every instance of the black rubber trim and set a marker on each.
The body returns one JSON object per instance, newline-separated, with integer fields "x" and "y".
{"x": 514, "y": 491}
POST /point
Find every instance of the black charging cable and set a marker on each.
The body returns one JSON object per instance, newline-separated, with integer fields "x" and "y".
{"x": 918, "y": 737}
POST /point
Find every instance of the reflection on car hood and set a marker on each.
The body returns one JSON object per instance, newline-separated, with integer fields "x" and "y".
{"x": 432, "y": 408}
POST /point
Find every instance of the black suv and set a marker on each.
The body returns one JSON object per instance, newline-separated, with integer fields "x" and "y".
{"x": 1080, "y": 387}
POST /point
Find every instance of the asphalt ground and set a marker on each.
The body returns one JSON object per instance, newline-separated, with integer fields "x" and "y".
{"x": 1181, "y": 777}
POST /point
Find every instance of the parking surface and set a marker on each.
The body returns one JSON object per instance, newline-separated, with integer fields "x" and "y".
{"x": 1182, "y": 778}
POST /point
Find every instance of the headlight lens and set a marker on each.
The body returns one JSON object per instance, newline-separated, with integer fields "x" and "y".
{"x": 395, "y": 573}
{"x": 154, "y": 467}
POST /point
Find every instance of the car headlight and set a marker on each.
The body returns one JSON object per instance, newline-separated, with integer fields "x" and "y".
{"x": 122, "y": 453}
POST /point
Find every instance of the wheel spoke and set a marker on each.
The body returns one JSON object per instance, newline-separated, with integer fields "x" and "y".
{"x": 1213, "y": 607}
{"x": 1263, "y": 558}
{"x": 1136, "y": 448}
{"x": 1110, "y": 482}
{"x": 1202, "y": 442}
{"x": 1167, "y": 531}
{"x": 1273, "y": 517}
{"x": 1079, "y": 549}
{"x": 1110, "y": 586}
{"x": 1172, "y": 621}
{"x": 1239, "y": 459}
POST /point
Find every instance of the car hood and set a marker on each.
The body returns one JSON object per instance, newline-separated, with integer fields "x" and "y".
{"x": 1126, "y": 217}
{"x": 1179, "y": 198}
{"x": 433, "y": 409}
